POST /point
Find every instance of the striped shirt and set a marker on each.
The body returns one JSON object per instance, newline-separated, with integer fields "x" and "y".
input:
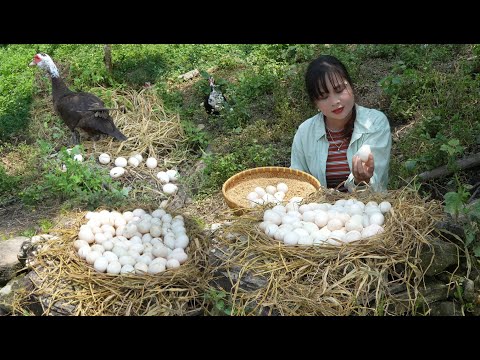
{"x": 337, "y": 165}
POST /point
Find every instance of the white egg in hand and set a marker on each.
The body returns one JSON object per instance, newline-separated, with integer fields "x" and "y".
{"x": 363, "y": 152}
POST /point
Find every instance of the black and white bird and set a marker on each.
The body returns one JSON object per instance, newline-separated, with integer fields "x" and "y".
{"x": 215, "y": 101}
{"x": 81, "y": 110}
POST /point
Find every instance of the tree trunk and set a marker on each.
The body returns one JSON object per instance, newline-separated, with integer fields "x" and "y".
{"x": 107, "y": 57}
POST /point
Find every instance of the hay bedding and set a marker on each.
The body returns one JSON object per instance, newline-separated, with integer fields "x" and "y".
{"x": 62, "y": 280}
{"x": 151, "y": 131}
{"x": 353, "y": 279}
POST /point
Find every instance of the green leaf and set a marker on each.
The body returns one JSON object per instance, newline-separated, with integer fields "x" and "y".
{"x": 476, "y": 250}
{"x": 453, "y": 203}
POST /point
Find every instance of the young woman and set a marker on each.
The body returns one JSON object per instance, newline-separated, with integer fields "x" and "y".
{"x": 326, "y": 145}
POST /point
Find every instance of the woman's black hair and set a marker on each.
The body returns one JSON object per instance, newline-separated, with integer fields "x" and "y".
{"x": 315, "y": 80}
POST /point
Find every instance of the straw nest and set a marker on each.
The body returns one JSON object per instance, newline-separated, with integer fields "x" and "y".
{"x": 353, "y": 279}
{"x": 151, "y": 131}
{"x": 63, "y": 281}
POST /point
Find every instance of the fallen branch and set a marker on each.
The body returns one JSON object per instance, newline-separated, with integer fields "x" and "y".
{"x": 463, "y": 164}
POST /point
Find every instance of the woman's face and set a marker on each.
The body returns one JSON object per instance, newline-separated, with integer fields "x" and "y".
{"x": 337, "y": 103}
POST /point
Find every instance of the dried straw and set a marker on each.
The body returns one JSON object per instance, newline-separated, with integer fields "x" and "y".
{"x": 64, "y": 283}
{"x": 353, "y": 279}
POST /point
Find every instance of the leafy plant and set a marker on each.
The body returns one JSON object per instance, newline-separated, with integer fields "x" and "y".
{"x": 218, "y": 300}
{"x": 456, "y": 204}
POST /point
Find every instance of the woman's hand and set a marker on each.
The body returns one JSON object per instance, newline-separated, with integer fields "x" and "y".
{"x": 362, "y": 171}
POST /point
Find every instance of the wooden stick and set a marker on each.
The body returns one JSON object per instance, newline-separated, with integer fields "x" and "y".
{"x": 463, "y": 164}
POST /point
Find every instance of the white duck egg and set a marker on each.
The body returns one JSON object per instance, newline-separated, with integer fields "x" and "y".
{"x": 279, "y": 195}
{"x": 78, "y": 158}
{"x": 372, "y": 230}
{"x": 305, "y": 240}
{"x": 163, "y": 177}
{"x": 133, "y": 161}
{"x": 151, "y": 163}
{"x": 292, "y": 206}
{"x": 92, "y": 256}
{"x": 180, "y": 256}
{"x": 377, "y": 218}
{"x": 271, "y": 229}
{"x": 252, "y": 196}
{"x": 291, "y": 238}
{"x": 126, "y": 259}
{"x": 321, "y": 218}
{"x": 121, "y": 162}
{"x": 271, "y": 189}
{"x": 351, "y": 225}
{"x": 280, "y": 209}
{"x": 104, "y": 159}
{"x": 100, "y": 264}
{"x": 117, "y": 172}
{"x": 77, "y": 244}
{"x": 363, "y": 152}
{"x": 98, "y": 248}
{"x": 169, "y": 188}
{"x": 160, "y": 251}
{"x": 86, "y": 235}
{"x": 158, "y": 213}
{"x": 156, "y": 268}
{"x": 173, "y": 264}
{"x": 181, "y": 241}
{"x": 110, "y": 256}
{"x": 282, "y": 187}
{"x": 114, "y": 268}
{"x": 272, "y": 216}
{"x": 141, "y": 268}
{"x": 127, "y": 269}
{"x": 310, "y": 227}
{"x": 353, "y": 235}
{"x": 296, "y": 199}
{"x": 309, "y": 216}
{"x": 269, "y": 199}
{"x": 128, "y": 215}
{"x": 139, "y": 157}
{"x": 138, "y": 212}
{"x": 84, "y": 251}
{"x": 334, "y": 224}
{"x": 172, "y": 175}
{"x": 384, "y": 207}
{"x": 260, "y": 191}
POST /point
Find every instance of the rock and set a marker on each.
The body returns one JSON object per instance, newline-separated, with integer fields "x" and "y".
{"x": 468, "y": 291}
{"x": 9, "y": 264}
{"x": 445, "y": 308}
{"x": 8, "y": 291}
{"x": 438, "y": 256}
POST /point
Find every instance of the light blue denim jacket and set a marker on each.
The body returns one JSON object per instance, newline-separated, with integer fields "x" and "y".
{"x": 310, "y": 146}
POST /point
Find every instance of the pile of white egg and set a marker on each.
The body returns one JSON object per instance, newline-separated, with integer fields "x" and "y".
{"x": 268, "y": 195}
{"x": 121, "y": 163}
{"x": 167, "y": 178}
{"x": 323, "y": 223}
{"x": 133, "y": 241}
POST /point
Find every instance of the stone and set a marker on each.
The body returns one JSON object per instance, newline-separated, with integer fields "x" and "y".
{"x": 9, "y": 264}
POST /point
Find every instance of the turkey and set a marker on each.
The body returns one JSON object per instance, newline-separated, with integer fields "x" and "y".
{"x": 77, "y": 109}
{"x": 215, "y": 101}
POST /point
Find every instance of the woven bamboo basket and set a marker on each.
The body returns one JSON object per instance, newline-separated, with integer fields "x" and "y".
{"x": 236, "y": 188}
